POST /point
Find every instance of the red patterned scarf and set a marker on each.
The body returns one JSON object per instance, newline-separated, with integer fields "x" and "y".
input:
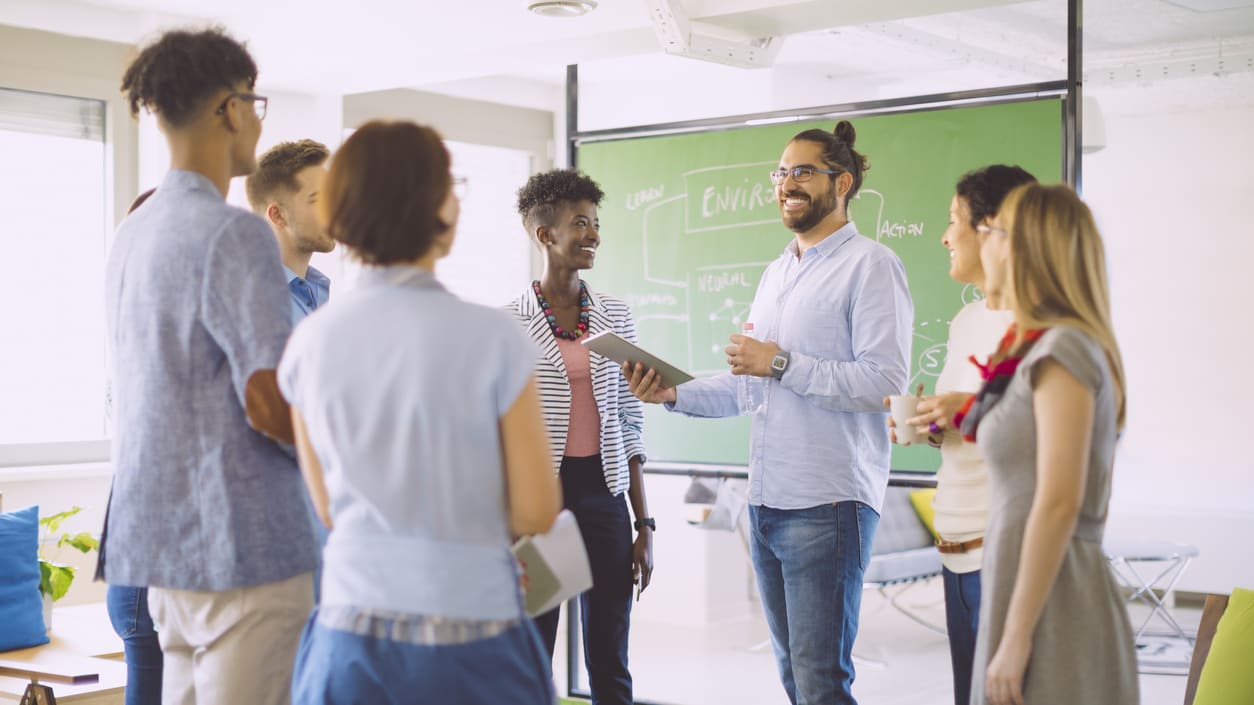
{"x": 997, "y": 374}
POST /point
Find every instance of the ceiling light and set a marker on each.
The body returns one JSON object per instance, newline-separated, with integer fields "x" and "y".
{"x": 562, "y": 8}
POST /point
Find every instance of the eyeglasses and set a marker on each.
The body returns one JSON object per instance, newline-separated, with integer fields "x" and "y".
{"x": 260, "y": 103}
{"x": 800, "y": 174}
{"x": 986, "y": 229}
{"x": 461, "y": 187}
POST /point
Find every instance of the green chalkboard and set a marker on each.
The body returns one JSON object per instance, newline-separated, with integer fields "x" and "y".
{"x": 690, "y": 222}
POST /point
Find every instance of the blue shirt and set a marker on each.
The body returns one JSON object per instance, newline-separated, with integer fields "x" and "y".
{"x": 843, "y": 311}
{"x": 200, "y": 501}
{"x": 402, "y": 387}
{"x": 307, "y": 293}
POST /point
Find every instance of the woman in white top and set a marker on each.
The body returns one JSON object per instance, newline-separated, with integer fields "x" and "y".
{"x": 962, "y": 481}
{"x": 419, "y": 433}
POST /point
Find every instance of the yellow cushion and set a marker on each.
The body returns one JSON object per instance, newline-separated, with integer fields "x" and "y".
{"x": 1227, "y": 678}
{"x": 922, "y": 501}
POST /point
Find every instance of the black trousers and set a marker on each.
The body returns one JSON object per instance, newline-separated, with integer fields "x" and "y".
{"x": 605, "y": 609}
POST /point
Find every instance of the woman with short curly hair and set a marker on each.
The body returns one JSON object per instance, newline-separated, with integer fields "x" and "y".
{"x": 594, "y": 423}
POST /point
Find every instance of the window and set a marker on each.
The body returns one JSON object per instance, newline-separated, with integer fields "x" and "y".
{"x": 54, "y": 190}
{"x": 491, "y": 258}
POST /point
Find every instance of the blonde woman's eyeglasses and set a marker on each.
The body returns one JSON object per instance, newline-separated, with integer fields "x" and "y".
{"x": 461, "y": 187}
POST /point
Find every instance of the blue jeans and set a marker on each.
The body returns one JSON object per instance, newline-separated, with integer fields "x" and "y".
{"x": 335, "y": 667}
{"x": 128, "y": 611}
{"x": 962, "y": 617}
{"x": 809, "y": 564}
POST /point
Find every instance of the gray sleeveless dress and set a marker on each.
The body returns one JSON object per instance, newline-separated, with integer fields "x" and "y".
{"x": 1083, "y": 649}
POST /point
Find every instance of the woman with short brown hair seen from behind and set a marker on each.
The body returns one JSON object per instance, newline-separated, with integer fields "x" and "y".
{"x": 419, "y": 434}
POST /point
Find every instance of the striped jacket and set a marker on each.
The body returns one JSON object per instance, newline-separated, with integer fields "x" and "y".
{"x": 622, "y": 414}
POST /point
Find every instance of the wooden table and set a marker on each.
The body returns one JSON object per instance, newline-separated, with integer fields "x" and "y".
{"x": 81, "y": 642}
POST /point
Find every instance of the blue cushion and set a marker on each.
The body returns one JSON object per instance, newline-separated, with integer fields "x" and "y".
{"x": 21, "y": 607}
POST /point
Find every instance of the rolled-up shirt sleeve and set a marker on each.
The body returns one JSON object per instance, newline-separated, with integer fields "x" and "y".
{"x": 711, "y": 397}
{"x": 881, "y": 321}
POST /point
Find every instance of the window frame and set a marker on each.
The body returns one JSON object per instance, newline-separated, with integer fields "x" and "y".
{"x": 37, "y": 62}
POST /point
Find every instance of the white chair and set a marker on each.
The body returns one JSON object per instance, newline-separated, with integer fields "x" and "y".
{"x": 1126, "y": 554}
{"x": 903, "y": 554}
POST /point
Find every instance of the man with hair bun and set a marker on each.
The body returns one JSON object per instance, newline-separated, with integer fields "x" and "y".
{"x": 833, "y": 316}
{"x": 206, "y": 509}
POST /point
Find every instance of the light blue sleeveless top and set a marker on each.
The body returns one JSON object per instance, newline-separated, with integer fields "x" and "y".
{"x": 402, "y": 386}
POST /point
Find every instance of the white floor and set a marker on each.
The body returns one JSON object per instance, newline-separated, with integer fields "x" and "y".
{"x": 899, "y": 661}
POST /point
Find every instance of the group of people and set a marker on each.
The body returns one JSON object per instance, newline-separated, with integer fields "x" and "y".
{"x": 429, "y": 432}
{"x": 398, "y": 439}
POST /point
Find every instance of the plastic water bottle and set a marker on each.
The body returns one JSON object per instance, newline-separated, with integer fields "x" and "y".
{"x": 749, "y": 388}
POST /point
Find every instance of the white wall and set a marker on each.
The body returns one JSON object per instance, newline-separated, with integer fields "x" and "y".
{"x": 290, "y": 116}
{"x": 1171, "y": 192}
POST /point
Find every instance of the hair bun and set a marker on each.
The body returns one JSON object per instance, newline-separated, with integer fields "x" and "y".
{"x": 845, "y": 133}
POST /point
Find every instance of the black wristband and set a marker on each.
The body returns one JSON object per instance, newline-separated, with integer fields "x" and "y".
{"x": 648, "y": 522}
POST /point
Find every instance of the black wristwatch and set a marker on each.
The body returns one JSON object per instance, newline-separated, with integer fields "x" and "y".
{"x": 779, "y": 364}
{"x": 649, "y": 522}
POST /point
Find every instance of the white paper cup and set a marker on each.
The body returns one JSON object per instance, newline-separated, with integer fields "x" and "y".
{"x": 902, "y": 407}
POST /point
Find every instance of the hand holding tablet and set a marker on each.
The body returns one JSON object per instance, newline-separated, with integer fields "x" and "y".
{"x": 621, "y": 350}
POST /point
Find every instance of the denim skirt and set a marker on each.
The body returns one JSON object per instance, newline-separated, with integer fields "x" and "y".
{"x": 382, "y": 660}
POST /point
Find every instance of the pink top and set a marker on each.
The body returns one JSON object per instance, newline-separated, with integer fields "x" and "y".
{"x": 583, "y": 433}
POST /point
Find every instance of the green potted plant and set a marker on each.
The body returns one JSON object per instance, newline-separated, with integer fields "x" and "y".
{"x": 55, "y": 578}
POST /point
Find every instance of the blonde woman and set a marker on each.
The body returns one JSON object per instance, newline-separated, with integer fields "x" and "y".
{"x": 1053, "y": 627}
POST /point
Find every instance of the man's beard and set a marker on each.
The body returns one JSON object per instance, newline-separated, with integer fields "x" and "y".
{"x": 815, "y": 211}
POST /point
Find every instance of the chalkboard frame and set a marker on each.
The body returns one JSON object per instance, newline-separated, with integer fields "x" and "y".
{"x": 1051, "y": 93}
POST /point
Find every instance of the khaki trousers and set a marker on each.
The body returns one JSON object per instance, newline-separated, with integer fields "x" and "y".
{"x": 234, "y": 647}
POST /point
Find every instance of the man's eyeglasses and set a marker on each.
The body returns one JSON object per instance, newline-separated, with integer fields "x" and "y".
{"x": 800, "y": 174}
{"x": 260, "y": 103}
{"x": 986, "y": 229}
{"x": 461, "y": 187}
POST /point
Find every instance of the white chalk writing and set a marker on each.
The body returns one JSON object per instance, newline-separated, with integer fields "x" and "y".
{"x": 643, "y": 196}
{"x": 900, "y": 230}
{"x": 729, "y": 199}
{"x": 653, "y": 299}
{"x": 723, "y": 280}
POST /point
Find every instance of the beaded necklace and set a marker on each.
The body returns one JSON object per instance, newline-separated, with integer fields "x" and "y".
{"x": 584, "y": 306}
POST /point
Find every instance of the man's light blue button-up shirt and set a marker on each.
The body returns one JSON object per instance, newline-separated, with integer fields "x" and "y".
{"x": 195, "y": 306}
{"x": 843, "y": 311}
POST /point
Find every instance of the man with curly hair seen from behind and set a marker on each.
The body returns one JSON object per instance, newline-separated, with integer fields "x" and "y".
{"x": 206, "y": 509}
{"x": 593, "y": 422}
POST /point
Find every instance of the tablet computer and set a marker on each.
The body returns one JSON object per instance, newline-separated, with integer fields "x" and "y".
{"x": 620, "y": 350}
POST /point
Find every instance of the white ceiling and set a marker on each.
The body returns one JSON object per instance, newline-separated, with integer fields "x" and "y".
{"x": 496, "y": 49}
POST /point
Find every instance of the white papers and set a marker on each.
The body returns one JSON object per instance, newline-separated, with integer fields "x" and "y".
{"x": 555, "y": 565}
